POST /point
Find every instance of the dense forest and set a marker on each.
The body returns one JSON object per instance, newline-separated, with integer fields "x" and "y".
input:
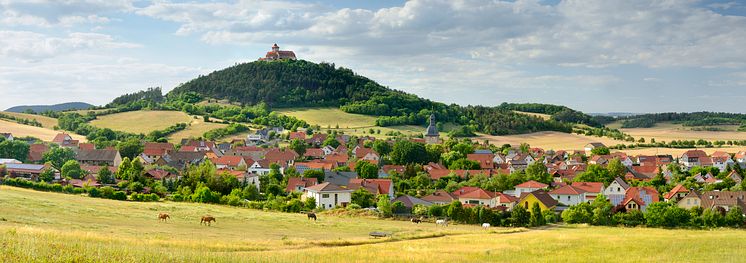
{"x": 558, "y": 113}
{"x": 692, "y": 119}
{"x": 305, "y": 84}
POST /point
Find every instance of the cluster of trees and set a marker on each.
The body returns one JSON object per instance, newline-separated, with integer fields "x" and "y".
{"x": 687, "y": 119}
{"x": 154, "y": 95}
{"x": 15, "y": 149}
{"x": 160, "y": 135}
{"x": 660, "y": 214}
{"x": 558, "y": 113}
{"x": 231, "y": 129}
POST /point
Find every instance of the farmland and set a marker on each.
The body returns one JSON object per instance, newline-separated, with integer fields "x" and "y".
{"x": 141, "y": 121}
{"x": 197, "y": 127}
{"x": 20, "y": 130}
{"x": 45, "y": 121}
{"x": 548, "y": 140}
{"x": 352, "y": 124}
{"x": 39, "y": 226}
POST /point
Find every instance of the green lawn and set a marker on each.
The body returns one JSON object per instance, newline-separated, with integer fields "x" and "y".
{"x": 50, "y": 227}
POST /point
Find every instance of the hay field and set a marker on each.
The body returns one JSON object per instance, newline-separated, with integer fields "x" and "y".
{"x": 20, "y": 130}
{"x": 46, "y": 122}
{"x": 141, "y": 121}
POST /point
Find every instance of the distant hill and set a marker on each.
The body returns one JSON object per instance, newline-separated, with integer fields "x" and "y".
{"x": 56, "y": 107}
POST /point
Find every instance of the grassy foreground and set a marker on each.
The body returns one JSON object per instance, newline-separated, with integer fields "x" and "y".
{"x": 50, "y": 227}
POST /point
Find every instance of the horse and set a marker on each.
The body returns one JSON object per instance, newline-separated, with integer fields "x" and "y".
{"x": 415, "y": 220}
{"x": 485, "y": 225}
{"x": 441, "y": 222}
{"x": 311, "y": 216}
{"x": 207, "y": 220}
{"x": 163, "y": 216}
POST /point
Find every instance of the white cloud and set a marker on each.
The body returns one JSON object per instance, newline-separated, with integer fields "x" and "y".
{"x": 29, "y": 46}
{"x": 67, "y": 13}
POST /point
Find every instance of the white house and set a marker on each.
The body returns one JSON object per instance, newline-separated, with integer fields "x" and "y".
{"x": 261, "y": 167}
{"x": 528, "y": 187}
{"x": 589, "y": 147}
{"x": 569, "y": 195}
{"x": 328, "y": 195}
{"x": 741, "y": 157}
{"x": 616, "y": 191}
{"x": 327, "y": 150}
{"x": 7, "y": 136}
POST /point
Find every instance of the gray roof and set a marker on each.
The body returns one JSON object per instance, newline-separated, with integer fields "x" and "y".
{"x": 24, "y": 166}
{"x": 410, "y": 201}
{"x": 97, "y": 155}
{"x": 483, "y": 151}
{"x": 621, "y": 183}
{"x": 339, "y": 178}
{"x": 431, "y": 129}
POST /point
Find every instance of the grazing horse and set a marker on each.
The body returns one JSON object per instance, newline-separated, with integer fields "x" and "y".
{"x": 485, "y": 225}
{"x": 415, "y": 220}
{"x": 441, "y": 222}
{"x": 312, "y": 216}
{"x": 163, "y": 216}
{"x": 207, "y": 220}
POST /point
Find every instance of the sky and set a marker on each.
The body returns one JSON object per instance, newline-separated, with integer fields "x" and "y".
{"x": 595, "y": 56}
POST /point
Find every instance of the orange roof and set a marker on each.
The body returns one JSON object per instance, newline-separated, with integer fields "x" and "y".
{"x": 479, "y": 193}
{"x": 294, "y": 182}
{"x": 593, "y": 187}
{"x": 383, "y": 185}
{"x": 532, "y": 184}
{"x": 228, "y": 160}
{"x": 485, "y": 160}
{"x": 677, "y": 189}
{"x": 464, "y": 190}
{"x": 567, "y": 190}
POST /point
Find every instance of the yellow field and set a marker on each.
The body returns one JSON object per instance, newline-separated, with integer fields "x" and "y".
{"x": 548, "y": 140}
{"x": 540, "y": 115}
{"x": 667, "y": 131}
{"x": 679, "y": 152}
{"x": 141, "y": 121}
{"x": 45, "y": 121}
{"x": 48, "y": 227}
{"x": 330, "y": 117}
{"x": 196, "y": 129}
{"x": 20, "y": 130}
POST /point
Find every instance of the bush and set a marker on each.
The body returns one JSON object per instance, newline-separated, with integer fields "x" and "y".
{"x": 353, "y": 207}
{"x": 119, "y": 195}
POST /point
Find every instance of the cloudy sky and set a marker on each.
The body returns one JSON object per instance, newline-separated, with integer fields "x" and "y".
{"x": 595, "y": 56}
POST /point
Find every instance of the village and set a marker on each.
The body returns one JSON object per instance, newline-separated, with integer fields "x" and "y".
{"x": 336, "y": 171}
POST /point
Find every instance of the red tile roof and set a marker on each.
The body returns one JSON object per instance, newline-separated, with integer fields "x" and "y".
{"x": 592, "y": 187}
{"x": 464, "y": 190}
{"x": 485, "y": 160}
{"x": 567, "y": 190}
{"x": 478, "y": 194}
{"x": 677, "y": 189}
{"x": 532, "y": 184}
{"x": 228, "y": 160}
{"x": 303, "y": 182}
{"x": 383, "y": 185}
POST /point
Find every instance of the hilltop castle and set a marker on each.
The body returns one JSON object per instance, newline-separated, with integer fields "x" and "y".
{"x": 277, "y": 54}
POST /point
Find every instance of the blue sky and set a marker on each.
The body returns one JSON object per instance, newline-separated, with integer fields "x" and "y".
{"x": 595, "y": 56}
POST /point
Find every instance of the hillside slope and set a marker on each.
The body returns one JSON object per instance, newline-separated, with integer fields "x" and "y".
{"x": 55, "y": 107}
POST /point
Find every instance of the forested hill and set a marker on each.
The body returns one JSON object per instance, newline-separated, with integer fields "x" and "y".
{"x": 300, "y": 83}
{"x": 56, "y": 107}
{"x": 687, "y": 119}
{"x": 285, "y": 84}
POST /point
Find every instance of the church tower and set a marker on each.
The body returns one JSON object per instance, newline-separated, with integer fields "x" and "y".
{"x": 431, "y": 134}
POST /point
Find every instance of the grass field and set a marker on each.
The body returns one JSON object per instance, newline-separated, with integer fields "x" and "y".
{"x": 20, "y": 130}
{"x": 45, "y": 121}
{"x": 141, "y": 121}
{"x": 196, "y": 129}
{"x": 548, "y": 140}
{"x": 50, "y": 227}
{"x": 667, "y": 131}
{"x": 330, "y": 117}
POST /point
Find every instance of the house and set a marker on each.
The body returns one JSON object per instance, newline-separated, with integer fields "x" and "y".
{"x": 713, "y": 199}
{"x": 327, "y": 195}
{"x": 440, "y": 197}
{"x": 99, "y": 157}
{"x": 180, "y": 160}
{"x": 678, "y": 192}
{"x": 314, "y": 153}
{"x": 693, "y": 158}
{"x": 642, "y": 173}
{"x": 277, "y": 54}
{"x": 230, "y": 162}
{"x": 638, "y": 198}
{"x": 569, "y": 195}
{"x": 485, "y": 160}
{"x": 27, "y": 171}
{"x": 6, "y": 136}
{"x": 374, "y": 186}
{"x": 592, "y": 189}
{"x": 721, "y": 160}
{"x": 735, "y": 177}
{"x": 297, "y": 135}
{"x": 261, "y": 167}
{"x": 329, "y": 150}
{"x": 367, "y": 154}
{"x": 410, "y": 201}
{"x": 65, "y": 140}
{"x": 479, "y": 197}
{"x": 36, "y": 152}
{"x": 387, "y": 169}
{"x": 87, "y": 181}
{"x": 319, "y": 165}
{"x": 616, "y": 191}
{"x": 541, "y": 197}
{"x": 160, "y": 174}
{"x": 740, "y": 157}
{"x": 296, "y": 184}
{"x": 589, "y": 147}
{"x": 528, "y": 187}
{"x": 284, "y": 156}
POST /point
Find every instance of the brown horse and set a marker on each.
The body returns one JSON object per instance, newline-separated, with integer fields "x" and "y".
{"x": 163, "y": 216}
{"x": 415, "y": 220}
{"x": 207, "y": 220}
{"x": 312, "y": 216}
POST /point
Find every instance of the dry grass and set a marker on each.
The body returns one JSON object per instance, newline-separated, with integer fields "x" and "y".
{"x": 48, "y": 227}
{"x": 45, "y": 121}
{"x": 196, "y": 129}
{"x": 141, "y": 121}
{"x": 330, "y": 117}
{"x": 548, "y": 140}
{"x": 20, "y": 130}
{"x": 667, "y": 131}
{"x": 678, "y": 152}
{"x": 540, "y": 115}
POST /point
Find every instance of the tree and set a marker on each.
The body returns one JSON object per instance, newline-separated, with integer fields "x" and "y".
{"x": 578, "y": 214}
{"x": 537, "y": 218}
{"x": 331, "y": 140}
{"x": 600, "y": 151}
{"x": 616, "y": 168}
{"x": 130, "y": 148}
{"x": 538, "y": 172}
{"x": 734, "y": 217}
{"x": 363, "y": 198}
{"x": 384, "y": 206}
{"x": 602, "y": 211}
{"x": 311, "y": 173}
{"x": 14, "y": 150}
{"x": 298, "y": 146}
{"x": 105, "y": 176}
{"x": 406, "y": 152}
{"x": 381, "y": 147}
{"x": 520, "y": 216}
{"x": 71, "y": 169}
{"x": 47, "y": 175}
{"x": 366, "y": 170}
{"x": 464, "y": 148}
{"x": 595, "y": 173}
{"x": 58, "y": 156}
{"x": 464, "y": 164}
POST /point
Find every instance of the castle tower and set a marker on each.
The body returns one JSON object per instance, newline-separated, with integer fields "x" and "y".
{"x": 275, "y": 48}
{"x": 431, "y": 134}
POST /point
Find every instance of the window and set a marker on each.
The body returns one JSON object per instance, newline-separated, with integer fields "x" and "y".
{"x": 324, "y": 195}
{"x": 568, "y": 198}
{"x": 688, "y": 200}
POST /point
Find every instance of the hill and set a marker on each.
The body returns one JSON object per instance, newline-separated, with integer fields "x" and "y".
{"x": 50, "y": 227}
{"x": 299, "y": 83}
{"x": 21, "y": 130}
{"x": 141, "y": 121}
{"x": 46, "y": 122}
{"x": 56, "y": 107}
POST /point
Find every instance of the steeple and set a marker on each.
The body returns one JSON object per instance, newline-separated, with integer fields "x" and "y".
{"x": 431, "y": 134}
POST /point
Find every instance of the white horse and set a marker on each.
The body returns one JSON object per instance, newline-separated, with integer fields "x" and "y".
{"x": 441, "y": 222}
{"x": 486, "y": 225}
